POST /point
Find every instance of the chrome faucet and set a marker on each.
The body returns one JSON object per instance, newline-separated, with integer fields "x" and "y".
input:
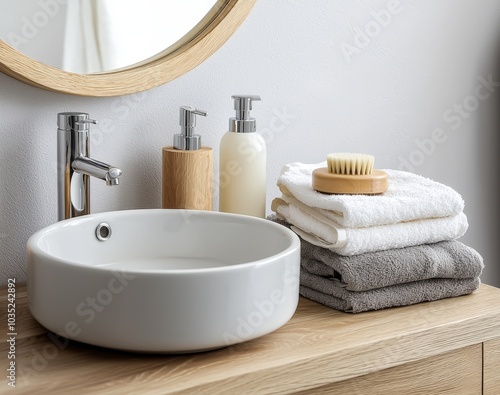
{"x": 74, "y": 167}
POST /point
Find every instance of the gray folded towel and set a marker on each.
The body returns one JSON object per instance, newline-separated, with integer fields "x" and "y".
{"x": 330, "y": 293}
{"x": 447, "y": 259}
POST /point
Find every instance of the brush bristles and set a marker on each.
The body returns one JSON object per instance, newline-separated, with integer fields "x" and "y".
{"x": 350, "y": 164}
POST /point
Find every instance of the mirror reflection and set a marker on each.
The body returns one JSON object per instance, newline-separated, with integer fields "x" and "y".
{"x": 92, "y": 36}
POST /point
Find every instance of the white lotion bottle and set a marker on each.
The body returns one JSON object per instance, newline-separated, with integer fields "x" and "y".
{"x": 242, "y": 165}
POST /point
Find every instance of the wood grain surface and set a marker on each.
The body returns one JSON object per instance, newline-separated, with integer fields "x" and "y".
{"x": 371, "y": 184}
{"x": 187, "y": 179}
{"x": 318, "y": 347}
{"x": 492, "y": 367}
{"x": 456, "y": 372}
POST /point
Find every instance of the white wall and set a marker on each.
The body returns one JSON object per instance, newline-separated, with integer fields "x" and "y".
{"x": 428, "y": 58}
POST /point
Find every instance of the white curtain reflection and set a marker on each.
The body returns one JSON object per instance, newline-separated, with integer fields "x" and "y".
{"x": 105, "y": 35}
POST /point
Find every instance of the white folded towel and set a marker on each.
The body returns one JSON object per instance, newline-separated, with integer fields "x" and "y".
{"x": 318, "y": 230}
{"x": 409, "y": 197}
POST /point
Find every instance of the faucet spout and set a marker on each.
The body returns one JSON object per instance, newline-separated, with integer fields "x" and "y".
{"x": 94, "y": 168}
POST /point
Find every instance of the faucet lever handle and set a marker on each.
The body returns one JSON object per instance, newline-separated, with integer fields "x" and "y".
{"x": 84, "y": 121}
{"x": 74, "y": 121}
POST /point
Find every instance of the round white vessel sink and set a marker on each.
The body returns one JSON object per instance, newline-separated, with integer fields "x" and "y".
{"x": 163, "y": 280}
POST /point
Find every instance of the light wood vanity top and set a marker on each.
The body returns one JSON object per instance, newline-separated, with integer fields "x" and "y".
{"x": 436, "y": 347}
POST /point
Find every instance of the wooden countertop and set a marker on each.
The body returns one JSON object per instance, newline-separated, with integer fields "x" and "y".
{"x": 318, "y": 346}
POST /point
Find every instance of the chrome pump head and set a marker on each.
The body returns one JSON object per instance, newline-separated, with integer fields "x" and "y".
{"x": 187, "y": 140}
{"x": 242, "y": 122}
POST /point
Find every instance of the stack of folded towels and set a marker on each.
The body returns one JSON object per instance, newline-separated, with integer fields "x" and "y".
{"x": 362, "y": 252}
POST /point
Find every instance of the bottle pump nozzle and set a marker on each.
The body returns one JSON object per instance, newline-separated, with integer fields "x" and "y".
{"x": 242, "y": 123}
{"x": 186, "y": 140}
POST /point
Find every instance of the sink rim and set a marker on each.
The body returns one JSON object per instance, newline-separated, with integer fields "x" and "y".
{"x": 33, "y": 247}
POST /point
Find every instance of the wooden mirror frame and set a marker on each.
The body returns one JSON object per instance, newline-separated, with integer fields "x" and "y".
{"x": 206, "y": 38}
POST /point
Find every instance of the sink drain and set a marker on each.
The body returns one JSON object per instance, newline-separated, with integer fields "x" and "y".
{"x": 103, "y": 231}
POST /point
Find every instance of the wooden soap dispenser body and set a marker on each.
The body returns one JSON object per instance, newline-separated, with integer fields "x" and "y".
{"x": 187, "y": 167}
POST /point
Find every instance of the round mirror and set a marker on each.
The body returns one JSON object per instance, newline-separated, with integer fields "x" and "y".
{"x": 112, "y": 47}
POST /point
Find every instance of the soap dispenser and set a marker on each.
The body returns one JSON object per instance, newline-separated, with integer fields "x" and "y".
{"x": 187, "y": 167}
{"x": 242, "y": 166}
